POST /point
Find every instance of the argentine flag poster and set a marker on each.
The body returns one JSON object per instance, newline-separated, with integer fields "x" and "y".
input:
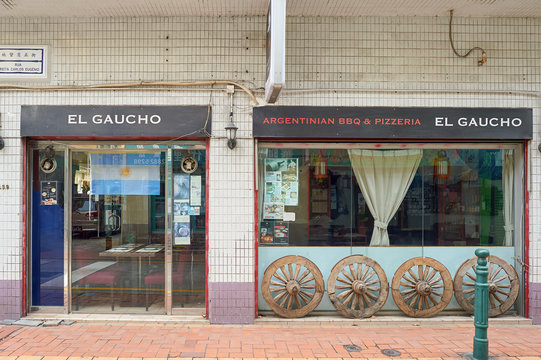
{"x": 125, "y": 174}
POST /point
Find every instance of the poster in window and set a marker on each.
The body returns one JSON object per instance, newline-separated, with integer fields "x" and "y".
{"x": 181, "y": 207}
{"x": 267, "y": 232}
{"x": 290, "y": 173}
{"x": 273, "y": 211}
{"x": 49, "y": 194}
{"x": 290, "y": 191}
{"x": 281, "y": 233}
{"x": 195, "y": 190}
{"x": 281, "y": 181}
{"x": 181, "y": 188}
{"x": 182, "y": 233}
{"x": 273, "y": 192}
{"x": 278, "y": 164}
{"x": 273, "y": 176}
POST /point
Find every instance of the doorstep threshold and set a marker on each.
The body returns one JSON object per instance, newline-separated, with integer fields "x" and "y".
{"x": 391, "y": 319}
{"x": 191, "y": 318}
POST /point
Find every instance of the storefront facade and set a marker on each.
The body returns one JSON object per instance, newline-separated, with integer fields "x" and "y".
{"x": 358, "y": 71}
{"x": 116, "y": 222}
{"x": 332, "y": 185}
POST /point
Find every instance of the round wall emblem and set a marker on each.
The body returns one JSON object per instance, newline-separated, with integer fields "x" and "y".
{"x": 47, "y": 165}
{"x": 189, "y": 165}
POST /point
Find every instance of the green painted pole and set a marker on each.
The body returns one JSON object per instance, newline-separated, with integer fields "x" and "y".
{"x": 480, "y": 340}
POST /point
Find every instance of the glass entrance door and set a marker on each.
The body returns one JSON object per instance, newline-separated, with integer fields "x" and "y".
{"x": 118, "y": 231}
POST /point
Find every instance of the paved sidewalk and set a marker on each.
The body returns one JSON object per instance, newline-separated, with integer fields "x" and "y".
{"x": 303, "y": 340}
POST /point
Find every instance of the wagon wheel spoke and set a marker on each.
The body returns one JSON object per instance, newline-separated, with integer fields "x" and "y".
{"x": 274, "y": 282}
{"x": 425, "y": 300}
{"x": 474, "y": 278}
{"x": 280, "y": 277}
{"x": 307, "y": 280}
{"x": 347, "y": 276}
{"x": 493, "y": 276}
{"x": 297, "y": 271}
{"x": 420, "y": 272}
{"x": 354, "y": 302}
{"x": 438, "y": 279}
{"x": 366, "y": 300}
{"x": 490, "y": 269}
{"x": 408, "y": 279}
{"x": 305, "y": 297}
{"x": 304, "y": 274}
{"x": 500, "y": 300}
{"x": 491, "y": 299}
{"x": 433, "y": 272}
{"x": 410, "y": 296}
{"x": 284, "y": 300}
{"x": 425, "y": 273}
{"x": 365, "y": 271}
{"x": 413, "y": 276}
{"x": 342, "y": 280}
{"x": 503, "y": 277}
{"x": 279, "y": 296}
{"x": 296, "y": 297}
{"x": 342, "y": 295}
{"x": 372, "y": 282}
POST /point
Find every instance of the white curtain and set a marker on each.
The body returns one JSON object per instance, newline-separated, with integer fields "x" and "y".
{"x": 384, "y": 178}
{"x": 507, "y": 179}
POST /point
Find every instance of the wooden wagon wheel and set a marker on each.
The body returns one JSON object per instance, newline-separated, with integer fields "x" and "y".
{"x": 422, "y": 287}
{"x": 357, "y": 286}
{"x": 292, "y": 286}
{"x": 503, "y": 285}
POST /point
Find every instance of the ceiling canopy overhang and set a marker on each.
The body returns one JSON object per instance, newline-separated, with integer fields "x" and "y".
{"x": 213, "y": 8}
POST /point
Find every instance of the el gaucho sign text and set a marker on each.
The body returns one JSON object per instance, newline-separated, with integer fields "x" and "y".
{"x": 398, "y": 123}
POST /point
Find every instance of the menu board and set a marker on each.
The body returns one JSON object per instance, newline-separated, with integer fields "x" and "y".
{"x": 49, "y": 195}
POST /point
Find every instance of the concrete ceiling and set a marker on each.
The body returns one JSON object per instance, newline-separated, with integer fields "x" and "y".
{"x": 137, "y": 8}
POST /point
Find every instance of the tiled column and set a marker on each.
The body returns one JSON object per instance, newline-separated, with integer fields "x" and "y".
{"x": 231, "y": 222}
{"x": 10, "y": 216}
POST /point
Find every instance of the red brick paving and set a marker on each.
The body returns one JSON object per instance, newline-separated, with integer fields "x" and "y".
{"x": 119, "y": 340}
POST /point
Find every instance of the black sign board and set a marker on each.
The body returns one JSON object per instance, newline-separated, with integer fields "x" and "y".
{"x": 392, "y": 123}
{"x": 115, "y": 121}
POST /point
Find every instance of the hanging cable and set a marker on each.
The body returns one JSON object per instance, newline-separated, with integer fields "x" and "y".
{"x": 483, "y": 52}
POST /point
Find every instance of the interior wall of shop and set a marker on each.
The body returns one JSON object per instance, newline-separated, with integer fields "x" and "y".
{"x": 366, "y": 61}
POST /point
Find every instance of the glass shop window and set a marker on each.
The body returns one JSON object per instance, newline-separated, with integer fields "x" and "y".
{"x": 360, "y": 197}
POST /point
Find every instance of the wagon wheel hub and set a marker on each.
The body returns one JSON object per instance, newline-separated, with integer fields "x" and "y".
{"x": 359, "y": 287}
{"x": 423, "y": 288}
{"x": 293, "y": 287}
{"x": 492, "y": 287}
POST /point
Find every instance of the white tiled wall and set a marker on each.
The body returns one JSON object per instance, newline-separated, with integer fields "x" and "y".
{"x": 371, "y": 61}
